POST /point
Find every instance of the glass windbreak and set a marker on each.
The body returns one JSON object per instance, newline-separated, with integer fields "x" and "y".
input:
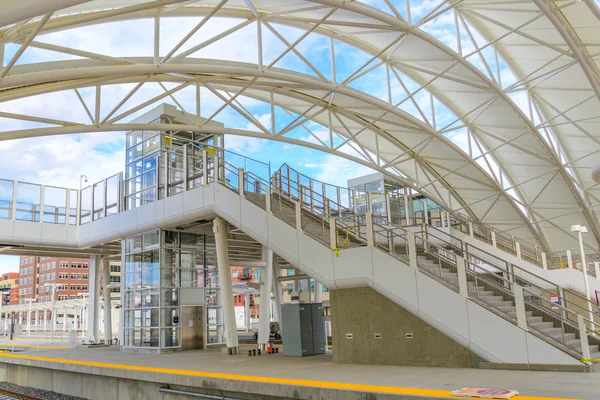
{"x": 85, "y": 215}
{"x": 112, "y": 195}
{"x": 28, "y": 202}
{"x": 6, "y": 198}
{"x": 55, "y": 205}
{"x": 73, "y": 200}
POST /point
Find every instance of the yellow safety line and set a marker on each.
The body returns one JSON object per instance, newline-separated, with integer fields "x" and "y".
{"x": 263, "y": 379}
{"x": 31, "y": 346}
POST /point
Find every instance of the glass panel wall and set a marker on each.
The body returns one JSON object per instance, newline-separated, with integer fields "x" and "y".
{"x": 6, "y": 198}
{"x": 141, "y": 167}
{"x": 28, "y": 202}
{"x": 55, "y": 205}
{"x": 156, "y": 265}
{"x": 73, "y": 199}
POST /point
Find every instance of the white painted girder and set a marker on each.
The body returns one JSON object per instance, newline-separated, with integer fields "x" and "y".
{"x": 349, "y": 26}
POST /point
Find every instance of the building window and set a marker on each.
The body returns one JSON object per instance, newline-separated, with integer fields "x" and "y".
{"x": 234, "y": 273}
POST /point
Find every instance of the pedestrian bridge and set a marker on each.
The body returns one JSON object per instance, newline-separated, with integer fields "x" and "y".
{"x": 488, "y": 303}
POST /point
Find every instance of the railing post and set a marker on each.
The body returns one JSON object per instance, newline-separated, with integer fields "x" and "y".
{"x": 298, "y": 215}
{"x": 42, "y": 195}
{"x": 471, "y": 232}
{"x": 388, "y": 211}
{"x": 583, "y": 337}
{"x": 120, "y": 191}
{"x": 406, "y": 216}
{"x": 369, "y": 227}
{"x": 14, "y": 201}
{"x": 354, "y": 205}
{"x": 520, "y": 306}
{"x": 268, "y": 198}
{"x": 569, "y": 259}
{"x": 597, "y": 269}
{"x": 185, "y": 168}
{"x": 332, "y": 233}
{"x": 166, "y": 173}
{"x": 449, "y": 219}
{"x": 67, "y": 211}
{"x": 105, "y": 198}
{"x": 518, "y": 249}
{"x": 494, "y": 243}
{"x": 241, "y": 182}
{"x": 412, "y": 249}
{"x": 425, "y": 213}
{"x": 463, "y": 287}
{"x": 205, "y": 165}
{"x": 544, "y": 262}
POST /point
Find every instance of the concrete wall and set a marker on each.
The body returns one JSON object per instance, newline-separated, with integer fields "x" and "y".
{"x": 363, "y": 313}
{"x": 95, "y": 383}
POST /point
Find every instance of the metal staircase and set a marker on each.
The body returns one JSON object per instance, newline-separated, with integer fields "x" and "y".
{"x": 556, "y": 315}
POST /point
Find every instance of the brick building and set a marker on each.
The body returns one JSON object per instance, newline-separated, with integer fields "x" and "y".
{"x": 9, "y": 288}
{"x": 71, "y": 275}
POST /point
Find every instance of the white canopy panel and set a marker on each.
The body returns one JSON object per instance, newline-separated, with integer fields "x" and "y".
{"x": 488, "y": 107}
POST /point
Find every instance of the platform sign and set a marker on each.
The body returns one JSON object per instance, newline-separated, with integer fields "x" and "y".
{"x": 485, "y": 393}
{"x": 555, "y": 301}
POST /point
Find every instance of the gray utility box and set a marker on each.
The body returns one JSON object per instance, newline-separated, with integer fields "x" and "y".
{"x": 303, "y": 329}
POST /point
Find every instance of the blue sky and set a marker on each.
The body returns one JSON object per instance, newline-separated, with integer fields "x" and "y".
{"x": 60, "y": 160}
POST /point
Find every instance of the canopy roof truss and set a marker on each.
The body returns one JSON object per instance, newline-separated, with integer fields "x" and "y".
{"x": 495, "y": 121}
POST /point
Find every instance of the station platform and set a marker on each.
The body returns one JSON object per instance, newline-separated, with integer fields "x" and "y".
{"x": 103, "y": 373}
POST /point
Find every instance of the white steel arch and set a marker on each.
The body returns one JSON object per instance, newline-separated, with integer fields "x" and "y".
{"x": 508, "y": 174}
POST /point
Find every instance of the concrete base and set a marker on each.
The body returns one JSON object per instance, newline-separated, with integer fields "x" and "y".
{"x": 110, "y": 374}
{"x": 368, "y": 328}
{"x": 86, "y": 382}
{"x": 537, "y": 367}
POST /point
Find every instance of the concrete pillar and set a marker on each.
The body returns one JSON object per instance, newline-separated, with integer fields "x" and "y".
{"x": 264, "y": 317}
{"x": 520, "y": 306}
{"x": 107, "y": 306}
{"x": 518, "y": 249}
{"x": 583, "y": 338}
{"x": 318, "y": 292}
{"x": 278, "y": 293}
{"x": 94, "y": 300}
{"x": 64, "y": 319}
{"x": 296, "y": 282}
{"x": 45, "y": 320}
{"x": 37, "y": 320}
{"x": 569, "y": 259}
{"x": 544, "y": 262}
{"x": 597, "y": 269}
{"x": 247, "y": 311}
{"x": 305, "y": 285}
{"x": 224, "y": 268}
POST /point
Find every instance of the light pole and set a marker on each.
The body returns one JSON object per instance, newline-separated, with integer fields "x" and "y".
{"x": 84, "y": 178}
{"x": 82, "y": 294}
{"x": 53, "y": 316}
{"x": 582, "y": 229}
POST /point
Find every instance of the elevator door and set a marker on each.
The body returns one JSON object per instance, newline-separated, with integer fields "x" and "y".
{"x": 192, "y": 327}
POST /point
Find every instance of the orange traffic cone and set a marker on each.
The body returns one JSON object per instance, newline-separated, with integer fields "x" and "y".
{"x": 269, "y": 348}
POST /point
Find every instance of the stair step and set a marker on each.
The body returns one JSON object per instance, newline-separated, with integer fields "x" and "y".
{"x": 541, "y": 325}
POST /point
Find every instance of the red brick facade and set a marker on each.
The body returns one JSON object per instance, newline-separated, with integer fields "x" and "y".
{"x": 35, "y": 273}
